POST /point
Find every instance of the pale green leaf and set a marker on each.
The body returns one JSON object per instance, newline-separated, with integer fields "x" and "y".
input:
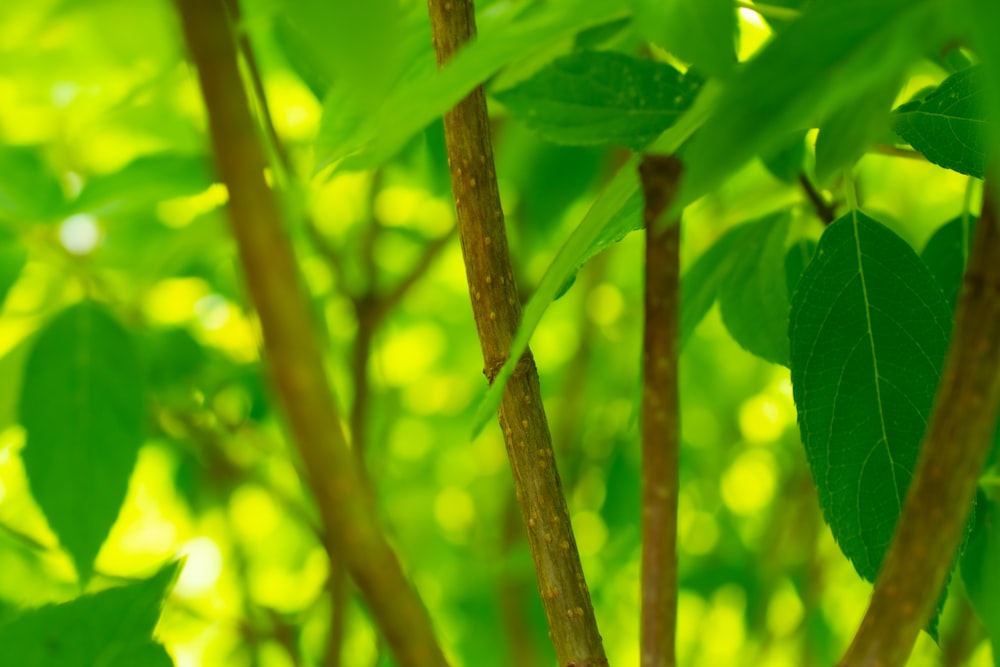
{"x": 869, "y": 328}
{"x": 13, "y": 256}
{"x": 753, "y": 300}
{"x": 948, "y": 125}
{"x": 82, "y": 409}
{"x": 112, "y": 628}
{"x": 29, "y": 191}
{"x": 847, "y": 133}
{"x": 145, "y": 182}
{"x": 591, "y": 98}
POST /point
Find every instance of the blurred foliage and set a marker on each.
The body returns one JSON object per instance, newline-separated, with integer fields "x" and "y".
{"x": 106, "y": 194}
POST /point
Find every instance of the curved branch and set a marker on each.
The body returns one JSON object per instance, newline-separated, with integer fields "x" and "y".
{"x": 292, "y": 347}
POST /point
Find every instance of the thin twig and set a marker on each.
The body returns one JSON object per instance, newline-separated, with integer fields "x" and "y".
{"x": 824, "y": 211}
{"x": 292, "y": 346}
{"x": 770, "y": 11}
{"x": 944, "y": 484}
{"x": 496, "y": 307}
{"x": 660, "y": 176}
{"x": 894, "y": 151}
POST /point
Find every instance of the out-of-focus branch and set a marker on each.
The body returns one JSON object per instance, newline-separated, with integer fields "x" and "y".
{"x": 660, "y": 176}
{"x": 496, "y": 307}
{"x": 955, "y": 448}
{"x": 292, "y": 347}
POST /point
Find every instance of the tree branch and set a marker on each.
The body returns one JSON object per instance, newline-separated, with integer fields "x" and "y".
{"x": 660, "y": 176}
{"x": 496, "y": 307}
{"x": 292, "y": 347}
{"x": 954, "y": 451}
{"x": 824, "y": 211}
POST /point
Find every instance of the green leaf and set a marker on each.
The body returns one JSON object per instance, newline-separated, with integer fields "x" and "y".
{"x": 112, "y": 628}
{"x": 948, "y": 125}
{"x": 869, "y": 329}
{"x": 145, "y": 182}
{"x": 366, "y": 140}
{"x": 946, "y": 253}
{"x": 700, "y": 32}
{"x": 785, "y": 161}
{"x": 13, "y": 257}
{"x": 847, "y": 133}
{"x": 840, "y": 50}
{"x": 981, "y": 568}
{"x": 29, "y": 191}
{"x": 83, "y": 413}
{"x": 753, "y": 300}
{"x": 796, "y": 260}
{"x": 592, "y": 98}
{"x": 983, "y": 17}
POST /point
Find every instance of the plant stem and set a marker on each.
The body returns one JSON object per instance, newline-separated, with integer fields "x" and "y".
{"x": 824, "y": 211}
{"x": 496, "y": 307}
{"x": 660, "y": 176}
{"x": 292, "y": 347}
{"x": 953, "y": 453}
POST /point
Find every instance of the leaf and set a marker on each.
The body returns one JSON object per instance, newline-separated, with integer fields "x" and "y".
{"x": 983, "y": 18}
{"x": 785, "y": 161}
{"x": 112, "y": 628}
{"x": 869, "y": 329}
{"x": 847, "y": 133}
{"x": 946, "y": 253}
{"x": 700, "y": 32}
{"x": 796, "y": 260}
{"x": 366, "y": 141}
{"x": 838, "y": 51}
{"x": 947, "y": 126}
{"x": 145, "y": 182}
{"x": 753, "y": 300}
{"x": 981, "y": 568}
{"x": 83, "y": 413}
{"x": 592, "y": 98}
{"x": 13, "y": 257}
{"x": 29, "y": 191}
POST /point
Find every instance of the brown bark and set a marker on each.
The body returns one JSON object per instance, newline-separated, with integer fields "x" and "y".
{"x": 660, "y": 415}
{"x": 497, "y": 310}
{"x": 953, "y": 454}
{"x": 292, "y": 348}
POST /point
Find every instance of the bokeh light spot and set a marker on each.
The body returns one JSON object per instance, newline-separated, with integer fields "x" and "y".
{"x": 80, "y": 234}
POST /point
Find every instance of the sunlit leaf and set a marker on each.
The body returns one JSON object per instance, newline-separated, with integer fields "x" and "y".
{"x": 948, "y": 125}
{"x": 112, "y": 628}
{"x": 946, "y": 253}
{"x": 145, "y": 182}
{"x": 869, "y": 329}
{"x": 602, "y": 98}
{"x": 753, "y": 300}
{"x": 83, "y": 413}
{"x": 848, "y": 132}
{"x": 29, "y": 191}
{"x": 836, "y": 52}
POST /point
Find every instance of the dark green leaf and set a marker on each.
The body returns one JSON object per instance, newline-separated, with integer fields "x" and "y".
{"x": 946, "y": 253}
{"x": 983, "y": 24}
{"x": 981, "y": 568}
{"x": 869, "y": 329}
{"x": 785, "y": 160}
{"x": 82, "y": 410}
{"x": 145, "y": 182}
{"x": 848, "y": 132}
{"x": 838, "y": 51}
{"x": 700, "y": 32}
{"x": 796, "y": 261}
{"x": 13, "y": 257}
{"x": 113, "y": 628}
{"x": 592, "y": 98}
{"x": 753, "y": 300}
{"x": 29, "y": 191}
{"x": 947, "y": 126}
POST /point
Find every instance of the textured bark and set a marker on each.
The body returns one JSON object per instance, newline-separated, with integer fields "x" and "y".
{"x": 292, "y": 348}
{"x": 660, "y": 415}
{"x": 496, "y": 307}
{"x": 954, "y": 451}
